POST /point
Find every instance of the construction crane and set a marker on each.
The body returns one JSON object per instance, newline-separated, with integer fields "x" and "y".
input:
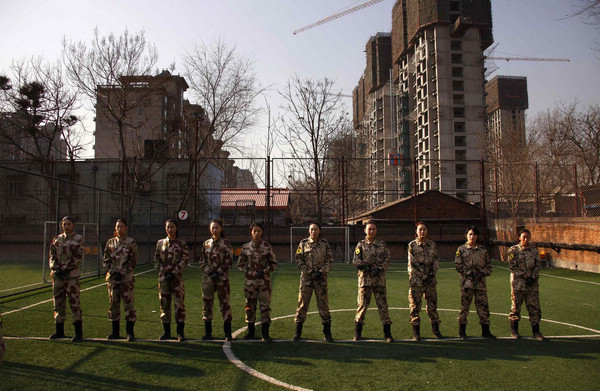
{"x": 338, "y": 15}
{"x": 507, "y": 59}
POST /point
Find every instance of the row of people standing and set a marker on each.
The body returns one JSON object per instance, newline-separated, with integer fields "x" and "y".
{"x": 256, "y": 259}
{"x": 372, "y": 259}
{"x": 314, "y": 259}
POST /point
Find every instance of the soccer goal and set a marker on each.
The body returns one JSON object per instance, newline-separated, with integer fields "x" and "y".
{"x": 337, "y": 236}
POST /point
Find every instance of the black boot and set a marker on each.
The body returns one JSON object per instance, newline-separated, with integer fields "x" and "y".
{"x": 462, "y": 331}
{"x": 180, "y": 333}
{"x": 358, "y": 331}
{"x": 536, "y": 332}
{"x": 227, "y": 330}
{"x": 327, "y": 331}
{"x": 435, "y": 329}
{"x": 251, "y": 332}
{"x": 387, "y": 332}
{"x": 167, "y": 332}
{"x": 207, "y": 330}
{"x": 129, "y": 330}
{"x": 416, "y": 332}
{"x": 514, "y": 329}
{"x": 265, "y": 332}
{"x": 485, "y": 332}
{"x": 60, "y": 331}
{"x": 78, "y": 331}
{"x": 298, "y": 333}
{"x": 115, "y": 330}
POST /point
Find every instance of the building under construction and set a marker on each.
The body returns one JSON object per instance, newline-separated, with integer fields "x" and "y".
{"x": 421, "y": 99}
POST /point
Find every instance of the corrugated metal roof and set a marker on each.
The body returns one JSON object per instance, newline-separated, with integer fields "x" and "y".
{"x": 279, "y": 198}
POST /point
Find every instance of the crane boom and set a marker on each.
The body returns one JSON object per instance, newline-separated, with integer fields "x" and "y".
{"x": 338, "y": 15}
{"x": 507, "y": 59}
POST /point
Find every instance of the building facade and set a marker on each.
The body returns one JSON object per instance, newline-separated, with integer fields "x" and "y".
{"x": 435, "y": 98}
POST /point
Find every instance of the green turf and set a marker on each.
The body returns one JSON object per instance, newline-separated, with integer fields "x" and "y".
{"x": 454, "y": 365}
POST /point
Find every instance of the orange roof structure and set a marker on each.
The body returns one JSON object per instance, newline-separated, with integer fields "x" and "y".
{"x": 231, "y": 197}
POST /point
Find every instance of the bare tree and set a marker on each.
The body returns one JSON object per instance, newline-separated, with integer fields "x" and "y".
{"x": 110, "y": 71}
{"x": 225, "y": 87}
{"x": 37, "y": 117}
{"x": 313, "y": 118}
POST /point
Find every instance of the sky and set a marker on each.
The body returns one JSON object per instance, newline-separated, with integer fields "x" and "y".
{"x": 262, "y": 30}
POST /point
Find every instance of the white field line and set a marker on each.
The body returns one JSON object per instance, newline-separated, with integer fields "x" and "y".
{"x": 253, "y": 372}
{"x": 23, "y": 286}
{"x": 50, "y": 300}
{"x": 561, "y": 278}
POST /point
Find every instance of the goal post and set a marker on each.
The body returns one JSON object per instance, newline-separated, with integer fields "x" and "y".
{"x": 337, "y": 236}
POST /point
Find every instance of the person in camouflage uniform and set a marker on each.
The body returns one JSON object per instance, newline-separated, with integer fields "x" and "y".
{"x": 473, "y": 264}
{"x": 215, "y": 261}
{"x": 2, "y": 343}
{"x": 372, "y": 259}
{"x": 120, "y": 258}
{"x": 314, "y": 259}
{"x": 524, "y": 263}
{"x": 423, "y": 264}
{"x": 170, "y": 258}
{"x": 257, "y": 261}
{"x": 66, "y": 253}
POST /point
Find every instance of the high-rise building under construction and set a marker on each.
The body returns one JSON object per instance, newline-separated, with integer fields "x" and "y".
{"x": 433, "y": 85}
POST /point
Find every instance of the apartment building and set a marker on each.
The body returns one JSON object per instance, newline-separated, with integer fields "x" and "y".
{"x": 436, "y": 96}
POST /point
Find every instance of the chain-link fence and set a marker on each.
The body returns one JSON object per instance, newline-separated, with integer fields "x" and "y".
{"x": 281, "y": 192}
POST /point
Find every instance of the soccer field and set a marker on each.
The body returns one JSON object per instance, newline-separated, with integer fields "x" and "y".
{"x": 568, "y": 360}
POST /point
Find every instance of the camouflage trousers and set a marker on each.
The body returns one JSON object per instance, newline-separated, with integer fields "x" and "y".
{"x": 63, "y": 290}
{"x": 118, "y": 291}
{"x": 481, "y": 304}
{"x": 415, "y": 297}
{"x": 262, "y": 295}
{"x": 364, "y": 299}
{"x": 304, "y": 297}
{"x": 172, "y": 290}
{"x": 221, "y": 286}
{"x": 532, "y": 302}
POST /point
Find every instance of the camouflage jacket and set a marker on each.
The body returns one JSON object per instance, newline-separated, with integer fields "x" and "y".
{"x": 423, "y": 261}
{"x": 313, "y": 256}
{"x": 524, "y": 263}
{"x": 257, "y": 257}
{"x": 473, "y": 264}
{"x": 216, "y": 257}
{"x": 171, "y": 256}
{"x": 66, "y": 253}
{"x": 370, "y": 257}
{"x": 120, "y": 256}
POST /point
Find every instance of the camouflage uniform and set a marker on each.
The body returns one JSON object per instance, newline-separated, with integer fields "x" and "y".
{"x": 216, "y": 259}
{"x": 120, "y": 256}
{"x": 2, "y": 344}
{"x": 473, "y": 264}
{"x": 372, "y": 260}
{"x": 171, "y": 256}
{"x": 66, "y": 253}
{"x": 313, "y": 256}
{"x": 423, "y": 264}
{"x": 524, "y": 264}
{"x": 257, "y": 257}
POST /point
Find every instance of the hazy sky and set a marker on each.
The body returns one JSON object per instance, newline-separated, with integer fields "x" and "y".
{"x": 262, "y": 30}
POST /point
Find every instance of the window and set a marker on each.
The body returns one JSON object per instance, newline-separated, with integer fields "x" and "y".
{"x": 459, "y": 112}
{"x": 457, "y": 59}
{"x": 460, "y": 154}
{"x": 460, "y": 169}
{"x": 458, "y": 85}
{"x": 66, "y": 189}
{"x": 461, "y": 183}
{"x": 455, "y": 45}
{"x": 15, "y": 186}
{"x": 458, "y": 99}
{"x": 459, "y": 127}
{"x": 460, "y": 141}
{"x": 457, "y": 72}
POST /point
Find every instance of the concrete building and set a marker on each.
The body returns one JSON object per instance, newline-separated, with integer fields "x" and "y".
{"x": 437, "y": 97}
{"x": 506, "y": 101}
